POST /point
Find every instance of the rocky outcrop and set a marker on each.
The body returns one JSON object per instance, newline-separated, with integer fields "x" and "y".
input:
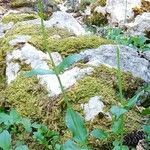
{"x": 130, "y": 60}
{"x": 140, "y": 25}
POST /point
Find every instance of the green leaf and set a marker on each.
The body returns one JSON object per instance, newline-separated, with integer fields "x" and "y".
{"x": 133, "y": 100}
{"x": 99, "y": 134}
{"x": 146, "y": 129}
{"x": 146, "y": 111}
{"x": 70, "y": 145}
{"x": 5, "y": 140}
{"x": 22, "y": 147}
{"x": 15, "y": 116}
{"x": 27, "y": 124}
{"x": 117, "y": 126}
{"x": 117, "y": 111}
{"x": 117, "y": 146}
{"x": 38, "y": 72}
{"x": 76, "y": 125}
{"x": 68, "y": 61}
{"x": 6, "y": 119}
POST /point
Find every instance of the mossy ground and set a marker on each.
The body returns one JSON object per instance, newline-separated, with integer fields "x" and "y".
{"x": 97, "y": 19}
{"x": 21, "y": 3}
{"x": 18, "y": 17}
{"x": 32, "y": 101}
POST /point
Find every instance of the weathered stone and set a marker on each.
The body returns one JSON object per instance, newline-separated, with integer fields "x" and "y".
{"x": 93, "y": 108}
{"x": 140, "y": 25}
{"x": 20, "y": 39}
{"x": 61, "y": 20}
{"x": 121, "y": 10}
{"x": 129, "y": 58}
{"x": 4, "y": 28}
{"x": 38, "y": 60}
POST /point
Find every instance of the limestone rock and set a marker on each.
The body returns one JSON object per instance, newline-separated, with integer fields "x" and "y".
{"x": 130, "y": 60}
{"x": 20, "y": 39}
{"x": 61, "y": 20}
{"x": 37, "y": 59}
{"x": 93, "y": 108}
{"x": 140, "y": 25}
{"x": 118, "y": 9}
{"x": 4, "y": 28}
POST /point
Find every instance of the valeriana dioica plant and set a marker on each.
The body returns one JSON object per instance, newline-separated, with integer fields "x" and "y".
{"x": 73, "y": 120}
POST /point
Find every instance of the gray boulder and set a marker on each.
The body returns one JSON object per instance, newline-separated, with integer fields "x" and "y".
{"x": 129, "y": 58}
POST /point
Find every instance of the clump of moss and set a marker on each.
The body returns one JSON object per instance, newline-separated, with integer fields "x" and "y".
{"x": 17, "y": 17}
{"x": 97, "y": 19}
{"x": 32, "y": 101}
{"x": 21, "y": 3}
{"x": 70, "y": 45}
{"x": 26, "y": 99}
{"x": 35, "y": 30}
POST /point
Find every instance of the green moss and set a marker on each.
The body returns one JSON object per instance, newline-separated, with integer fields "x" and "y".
{"x": 71, "y": 44}
{"x": 32, "y": 101}
{"x": 21, "y": 3}
{"x": 97, "y": 19}
{"x": 18, "y": 17}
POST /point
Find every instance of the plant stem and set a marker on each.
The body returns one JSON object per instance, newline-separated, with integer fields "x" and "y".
{"x": 120, "y": 92}
{"x": 45, "y": 46}
{"x": 119, "y": 74}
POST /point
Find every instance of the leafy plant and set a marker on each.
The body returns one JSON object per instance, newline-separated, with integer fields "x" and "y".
{"x": 73, "y": 120}
{"x": 118, "y": 112}
{"x": 139, "y": 41}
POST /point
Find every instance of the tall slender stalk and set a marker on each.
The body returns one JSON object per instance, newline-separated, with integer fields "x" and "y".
{"x": 119, "y": 74}
{"x": 45, "y": 46}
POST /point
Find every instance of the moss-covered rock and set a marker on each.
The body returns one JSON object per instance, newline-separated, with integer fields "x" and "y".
{"x": 22, "y": 3}
{"x": 70, "y": 45}
{"x": 97, "y": 19}
{"x": 32, "y": 101}
{"x": 18, "y": 17}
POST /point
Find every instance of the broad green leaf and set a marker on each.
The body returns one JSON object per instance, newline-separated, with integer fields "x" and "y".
{"x": 146, "y": 129}
{"x": 76, "y": 125}
{"x": 38, "y": 72}
{"x": 5, "y": 140}
{"x": 68, "y": 61}
{"x": 15, "y": 116}
{"x": 22, "y": 147}
{"x": 146, "y": 111}
{"x": 27, "y": 124}
{"x": 133, "y": 100}
{"x": 99, "y": 134}
{"x": 117, "y": 146}
{"x": 117, "y": 111}
{"x": 6, "y": 119}
{"x": 70, "y": 145}
{"x": 117, "y": 126}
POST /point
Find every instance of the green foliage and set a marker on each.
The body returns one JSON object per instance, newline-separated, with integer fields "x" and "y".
{"x": 99, "y": 134}
{"x": 117, "y": 146}
{"x": 45, "y": 137}
{"x": 5, "y": 140}
{"x": 21, "y": 147}
{"x": 76, "y": 125}
{"x": 67, "y": 62}
{"x": 40, "y": 132}
{"x": 139, "y": 42}
{"x": 117, "y": 111}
